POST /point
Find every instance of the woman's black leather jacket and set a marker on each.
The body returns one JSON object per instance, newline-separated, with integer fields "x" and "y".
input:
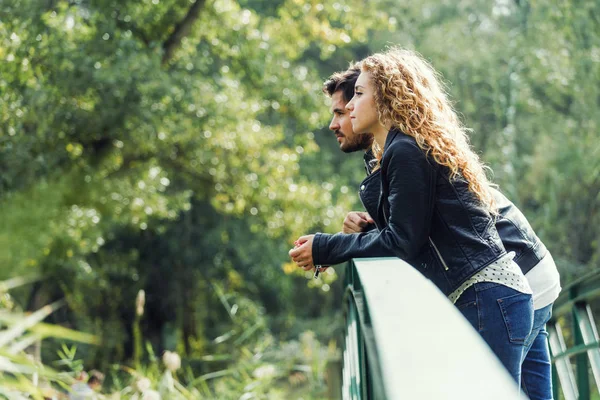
{"x": 438, "y": 226}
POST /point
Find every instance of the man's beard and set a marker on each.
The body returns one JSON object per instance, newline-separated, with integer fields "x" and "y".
{"x": 358, "y": 142}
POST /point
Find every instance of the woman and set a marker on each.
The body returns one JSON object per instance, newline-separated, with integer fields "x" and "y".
{"x": 435, "y": 206}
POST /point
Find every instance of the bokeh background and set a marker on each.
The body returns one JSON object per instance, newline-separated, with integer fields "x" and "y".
{"x": 172, "y": 150}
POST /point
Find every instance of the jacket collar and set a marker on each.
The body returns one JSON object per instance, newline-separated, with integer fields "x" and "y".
{"x": 369, "y": 160}
{"x": 391, "y": 136}
{"x": 369, "y": 157}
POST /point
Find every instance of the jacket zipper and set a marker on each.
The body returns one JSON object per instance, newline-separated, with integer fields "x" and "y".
{"x": 430, "y": 241}
{"x": 439, "y": 254}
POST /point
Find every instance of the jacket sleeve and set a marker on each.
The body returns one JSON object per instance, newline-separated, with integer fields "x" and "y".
{"x": 516, "y": 234}
{"x": 409, "y": 178}
{"x": 369, "y": 227}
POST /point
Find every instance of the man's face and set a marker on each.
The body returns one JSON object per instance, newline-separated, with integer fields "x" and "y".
{"x": 342, "y": 127}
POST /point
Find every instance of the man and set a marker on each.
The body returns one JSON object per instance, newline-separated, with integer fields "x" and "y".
{"x": 517, "y": 236}
{"x": 340, "y": 123}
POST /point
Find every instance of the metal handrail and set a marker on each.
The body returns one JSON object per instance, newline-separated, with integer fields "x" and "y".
{"x": 584, "y": 288}
{"x": 574, "y": 300}
{"x": 354, "y": 302}
{"x": 405, "y": 340}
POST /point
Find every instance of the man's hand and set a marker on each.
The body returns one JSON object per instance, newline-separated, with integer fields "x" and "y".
{"x": 355, "y": 221}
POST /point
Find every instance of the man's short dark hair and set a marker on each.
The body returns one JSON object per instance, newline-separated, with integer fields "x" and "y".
{"x": 342, "y": 81}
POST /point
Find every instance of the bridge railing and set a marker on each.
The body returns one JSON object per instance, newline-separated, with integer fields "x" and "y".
{"x": 405, "y": 340}
{"x": 575, "y": 302}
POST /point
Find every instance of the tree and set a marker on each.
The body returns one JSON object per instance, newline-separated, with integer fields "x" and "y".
{"x": 158, "y": 145}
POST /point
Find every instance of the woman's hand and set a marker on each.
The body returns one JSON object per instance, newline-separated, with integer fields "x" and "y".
{"x": 302, "y": 253}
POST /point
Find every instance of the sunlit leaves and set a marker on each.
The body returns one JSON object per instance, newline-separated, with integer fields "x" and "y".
{"x": 116, "y": 147}
{"x": 522, "y": 75}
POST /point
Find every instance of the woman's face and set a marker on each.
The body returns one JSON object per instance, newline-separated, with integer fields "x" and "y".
{"x": 363, "y": 113}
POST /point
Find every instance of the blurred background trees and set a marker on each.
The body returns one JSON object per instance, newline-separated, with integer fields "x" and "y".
{"x": 179, "y": 147}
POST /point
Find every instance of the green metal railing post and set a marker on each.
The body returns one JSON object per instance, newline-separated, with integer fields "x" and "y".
{"x": 555, "y": 389}
{"x": 352, "y": 357}
{"x": 575, "y": 299}
{"x": 561, "y": 363}
{"x": 583, "y": 381}
{"x": 591, "y": 340}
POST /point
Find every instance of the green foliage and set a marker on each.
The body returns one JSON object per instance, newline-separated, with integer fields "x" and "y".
{"x": 21, "y": 374}
{"x": 275, "y": 369}
{"x": 523, "y": 76}
{"x": 245, "y": 361}
{"x": 167, "y": 146}
{"x": 180, "y": 147}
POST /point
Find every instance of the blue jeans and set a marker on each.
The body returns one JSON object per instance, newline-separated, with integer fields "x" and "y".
{"x": 503, "y": 317}
{"x": 536, "y": 379}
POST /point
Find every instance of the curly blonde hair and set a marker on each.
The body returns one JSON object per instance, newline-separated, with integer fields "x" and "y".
{"x": 409, "y": 96}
